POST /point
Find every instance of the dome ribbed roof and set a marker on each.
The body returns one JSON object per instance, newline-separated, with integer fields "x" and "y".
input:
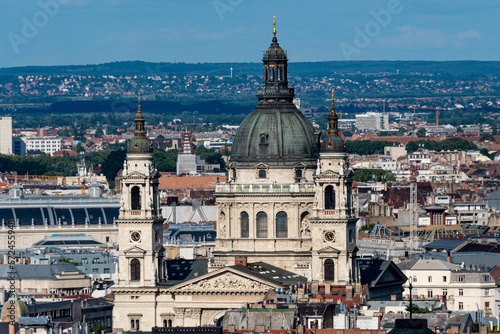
{"x": 276, "y": 136}
{"x": 140, "y": 145}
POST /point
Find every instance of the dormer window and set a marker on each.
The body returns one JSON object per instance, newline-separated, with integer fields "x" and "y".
{"x": 262, "y": 174}
{"x": 264, "y": 139}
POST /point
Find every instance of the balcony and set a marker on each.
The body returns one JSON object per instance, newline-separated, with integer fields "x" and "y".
{"x": 266, "y": 188}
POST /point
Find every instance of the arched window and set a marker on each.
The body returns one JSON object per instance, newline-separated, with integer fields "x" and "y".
{"x": 329, "y": 270}
{"x": 244, "y": 225}
{"x": 132, "y": 324}
{"x": 135, "y": 270}
{"x": 262, "y": 174}
{"x": 169, "y": 322}
{"x": 261, "y": 225}
{"x": 279, "y": 74}
{"x": 298, "y": 173}
{"x": 164, "y": 323}
{"x": 272, "y": 75}
{"x": 281, "y": 225}
{"x": 137, "y": 324}
{"x": 135, "y": 198}
{"x": 329, "y": 198}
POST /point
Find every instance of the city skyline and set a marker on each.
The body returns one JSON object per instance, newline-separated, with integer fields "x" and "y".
{"x": 67, "y": 32}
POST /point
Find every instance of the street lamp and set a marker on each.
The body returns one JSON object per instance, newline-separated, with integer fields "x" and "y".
{"x": 411, "y": 299}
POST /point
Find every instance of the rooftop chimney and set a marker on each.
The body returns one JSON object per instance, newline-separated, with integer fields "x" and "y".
{"x": 241, "y": 260}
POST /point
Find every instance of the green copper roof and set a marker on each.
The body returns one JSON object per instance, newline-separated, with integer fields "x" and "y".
{"x": 276, "y": 135}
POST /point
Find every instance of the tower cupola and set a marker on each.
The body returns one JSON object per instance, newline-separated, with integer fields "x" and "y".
{"x": 275, "y": 77}
{"x": 333, "y": 142}
{"x": 140, "y": 143}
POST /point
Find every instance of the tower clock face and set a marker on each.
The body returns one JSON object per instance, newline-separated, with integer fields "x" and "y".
{"x": 135, "y": 236}
{"x": 329, "y": 236}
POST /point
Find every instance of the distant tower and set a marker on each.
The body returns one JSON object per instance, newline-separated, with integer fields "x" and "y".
{"x": 231, "y": 72}
{"x": 187, "y": 161}
{"x": 186, "y": 143}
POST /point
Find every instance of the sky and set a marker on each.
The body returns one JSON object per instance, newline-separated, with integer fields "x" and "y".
{"x": 75, "y": 32}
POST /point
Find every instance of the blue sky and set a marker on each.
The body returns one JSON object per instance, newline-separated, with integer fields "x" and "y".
{"x": 97, "y": 31}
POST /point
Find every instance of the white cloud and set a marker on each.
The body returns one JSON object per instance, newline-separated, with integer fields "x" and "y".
{"x": 415, "y": 37}
{"x": 474, "y": 34}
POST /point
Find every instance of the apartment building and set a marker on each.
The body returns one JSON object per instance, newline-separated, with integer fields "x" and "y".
{"x": 463, "y": 290}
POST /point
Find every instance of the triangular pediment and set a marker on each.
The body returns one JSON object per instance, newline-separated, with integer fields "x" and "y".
{"x": 135, "y": 250}
{"x": 261, "y": 165}
{"x": 328, "y": 249}
{"x": 328, "y": 174}
{"x": 300, "y": 165}
{"x": 225, "y": 279}
{"x": 135, "y": 174}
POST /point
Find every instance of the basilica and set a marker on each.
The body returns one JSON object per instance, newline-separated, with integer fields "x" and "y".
{"x": 286, "y": 208}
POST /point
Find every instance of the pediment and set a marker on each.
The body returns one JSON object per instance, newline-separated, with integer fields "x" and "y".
{"x": 135, "y": 250}
{"x": 300, "y": 165}
{"x": 135, "y": 174}
{"x": 261, "y": 165}
{"x": 226, "y": 279}
{"x": 328, "y": 174}
{"x": 328, "y": 249}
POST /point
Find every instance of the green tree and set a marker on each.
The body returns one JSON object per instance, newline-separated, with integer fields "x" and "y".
{"x": 97, "y": 327}
{"x": 166, "y": 161}
{"x": 367, "y": 228}
{"x": 421, "y": 132}
{"x": 98, "y": 132}
{"x": 367, "y": 175}
{"x": 484, "y": 151}
{"x": 68, "y": 261}
{"x": 416, "y": 309}
{"x": 486, "y": 137}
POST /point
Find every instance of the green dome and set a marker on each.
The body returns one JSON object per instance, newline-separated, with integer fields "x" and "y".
{"x": 277, "y": 135}
{"x": 332, "y": 143}
{"x": 140, "y": 144}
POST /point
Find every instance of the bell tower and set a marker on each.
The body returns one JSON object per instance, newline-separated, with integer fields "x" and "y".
{"x": 139, "y": 224}
{"x": 333, "y": 223}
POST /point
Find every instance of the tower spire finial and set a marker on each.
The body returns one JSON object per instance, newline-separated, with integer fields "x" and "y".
{"x": 274, "y": 25}
{"x": 333, "y": 98}
{"x": 139, "y": 101}
{"x": 333, "y": 118}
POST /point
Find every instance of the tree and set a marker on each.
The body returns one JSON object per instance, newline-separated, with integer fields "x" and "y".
{"x": 97, "y": 328}
{"x": 416, "y": 309}
{"x": 166, "y": 161}
{"x": 486, "y": 137}
{"x": 98, "y": 132}
{"x": 367, "y": 228}
{"x": 367, "y": 175}
{"x": 485, "y": 152}
{"x": 421, "y": 132}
